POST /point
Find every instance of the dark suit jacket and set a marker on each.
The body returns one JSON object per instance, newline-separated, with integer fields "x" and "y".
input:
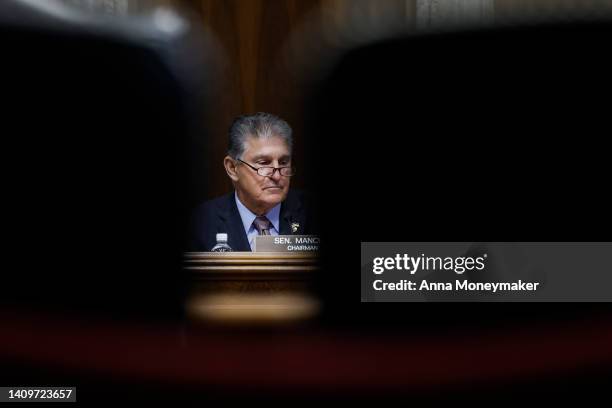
{"x": 221, "y": 215}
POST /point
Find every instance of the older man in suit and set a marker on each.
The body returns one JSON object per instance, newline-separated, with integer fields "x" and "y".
{"x": 260, "y": 168}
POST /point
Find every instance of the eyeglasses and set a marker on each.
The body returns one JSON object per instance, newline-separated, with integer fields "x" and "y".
{"x": 269, "y": 171}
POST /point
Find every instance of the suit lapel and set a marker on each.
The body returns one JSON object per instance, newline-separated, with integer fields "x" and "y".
{"x": 291, "y": 216}
{"x": 230, "y": 216}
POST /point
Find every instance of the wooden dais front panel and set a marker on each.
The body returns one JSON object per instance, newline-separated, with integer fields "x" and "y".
{"x": 251, "y": 287}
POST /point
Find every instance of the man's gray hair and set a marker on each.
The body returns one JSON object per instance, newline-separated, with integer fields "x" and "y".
{"x": 258, "y": 125}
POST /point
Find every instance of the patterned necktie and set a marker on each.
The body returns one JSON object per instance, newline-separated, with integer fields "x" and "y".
{"x": 262, "y": 225}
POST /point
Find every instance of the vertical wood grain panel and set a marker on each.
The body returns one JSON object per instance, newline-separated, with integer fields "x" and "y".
{"x": 254, "y": 77}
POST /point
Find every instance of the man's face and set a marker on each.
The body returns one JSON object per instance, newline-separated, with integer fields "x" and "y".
{"x": 257, "y": 192}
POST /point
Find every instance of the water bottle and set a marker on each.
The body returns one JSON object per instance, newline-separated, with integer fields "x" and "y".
{"x": 221, "y": 244}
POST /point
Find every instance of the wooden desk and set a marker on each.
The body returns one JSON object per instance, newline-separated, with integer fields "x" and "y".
{"x": 252, "y": 287}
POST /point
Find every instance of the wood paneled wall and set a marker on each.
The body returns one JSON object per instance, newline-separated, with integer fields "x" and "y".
{"x": 261, "y": 56}
{"x": 253, "y": 76}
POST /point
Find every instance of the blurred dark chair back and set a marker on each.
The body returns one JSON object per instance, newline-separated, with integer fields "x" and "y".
{"x": 488, "y": 135}
{"x": 96, "y": 119}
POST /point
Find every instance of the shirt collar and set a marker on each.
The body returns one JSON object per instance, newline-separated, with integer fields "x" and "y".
{"x": 248, "y": 217}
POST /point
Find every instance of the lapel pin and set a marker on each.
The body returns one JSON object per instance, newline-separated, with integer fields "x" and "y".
{"x": 294, "y": 226}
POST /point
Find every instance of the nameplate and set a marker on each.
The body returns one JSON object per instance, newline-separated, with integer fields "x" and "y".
{"x": 286, "y": 243}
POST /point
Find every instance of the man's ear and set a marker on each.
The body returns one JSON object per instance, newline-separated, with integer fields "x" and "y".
{"x": 230, "y": 168}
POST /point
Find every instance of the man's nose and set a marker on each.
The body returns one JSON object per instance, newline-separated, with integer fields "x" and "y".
{"x": 276, "y": 176}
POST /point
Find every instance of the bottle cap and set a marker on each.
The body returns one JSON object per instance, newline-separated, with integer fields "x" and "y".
{"x": 222, "y": 237}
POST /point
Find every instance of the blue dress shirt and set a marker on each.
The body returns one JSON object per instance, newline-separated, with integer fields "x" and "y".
{"x": 248, "y": 217}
